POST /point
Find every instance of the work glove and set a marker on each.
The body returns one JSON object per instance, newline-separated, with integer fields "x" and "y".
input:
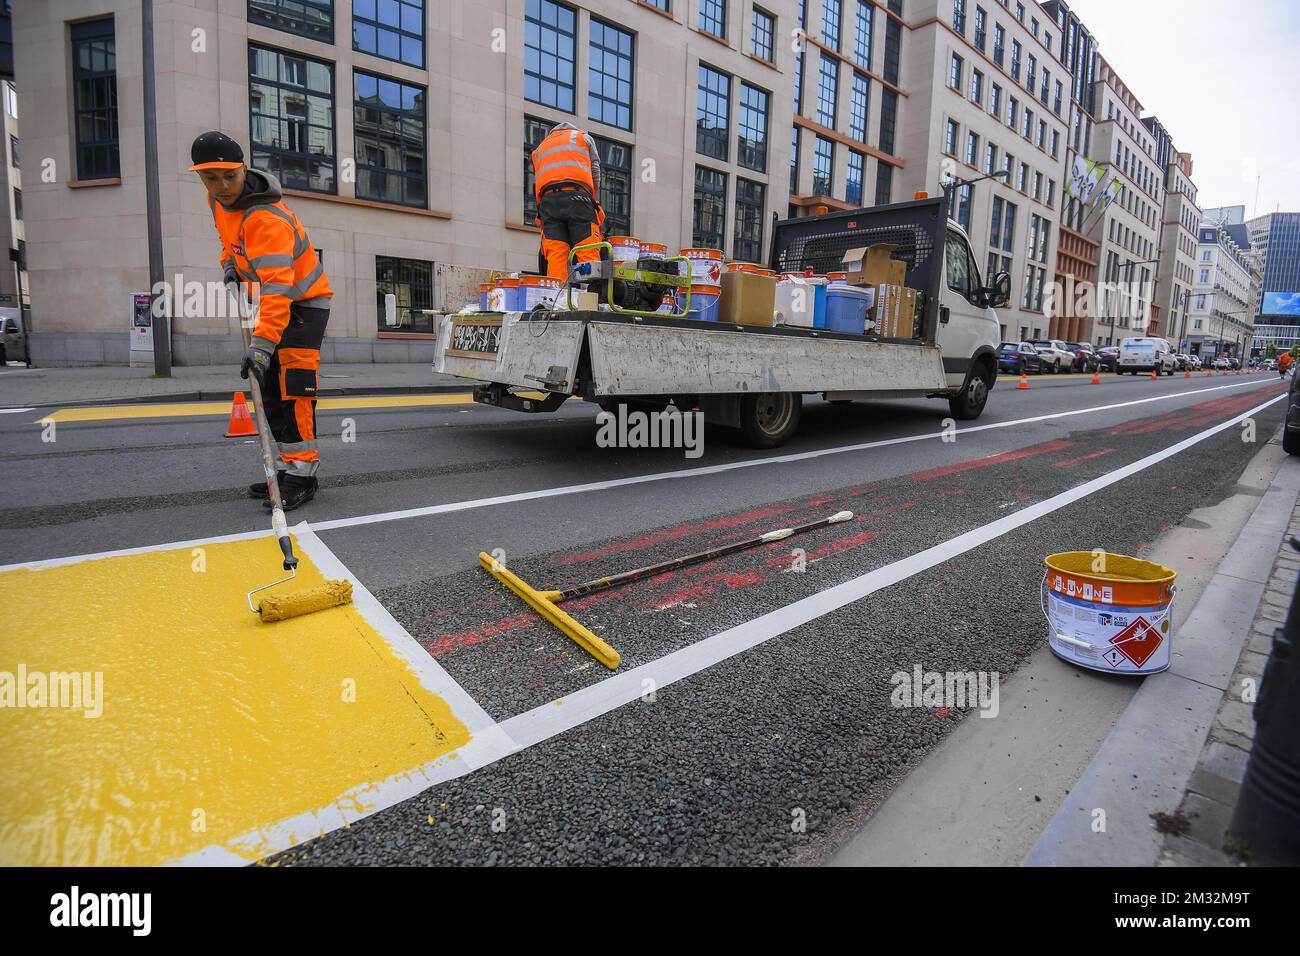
{"x": 232, "y": 280}
{"x": 258, "y": 361}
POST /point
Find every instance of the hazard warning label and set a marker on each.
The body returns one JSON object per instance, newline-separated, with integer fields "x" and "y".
{"x": 1135, "y": 644}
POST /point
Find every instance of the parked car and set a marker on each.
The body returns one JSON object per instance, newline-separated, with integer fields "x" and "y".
{"x": 1056, "y": 357}
{"x": 1182, "y": 362}
{"x": 1085, "y": 356}
{"x": 1145, "y": 353}
{"x": 1270, "y": 364}
{"x": 13, "y": 340}
{"x": 1221, "y": 363}
{"x": 1108, "y": 358}
{"x": 1194, "y": 361}
{"x": 1234, "y": 363}
{"x": 1019, "y": 358}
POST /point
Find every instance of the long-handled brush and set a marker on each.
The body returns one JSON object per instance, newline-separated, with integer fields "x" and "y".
{"x": 544, "y": 602}
{"x": 278, "y": 607}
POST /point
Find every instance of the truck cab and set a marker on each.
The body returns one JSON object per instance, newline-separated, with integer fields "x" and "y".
{"x": 968, "y": 332}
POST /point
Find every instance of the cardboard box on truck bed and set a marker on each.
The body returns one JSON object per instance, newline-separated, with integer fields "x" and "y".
{"x": 747, "y": 299}
{"x": 894, "y": 309}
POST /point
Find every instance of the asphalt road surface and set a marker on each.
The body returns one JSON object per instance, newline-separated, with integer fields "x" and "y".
{"x": 766, "y": 729}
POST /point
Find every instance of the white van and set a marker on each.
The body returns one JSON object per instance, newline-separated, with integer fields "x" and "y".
{"x": 1144, "y": 354}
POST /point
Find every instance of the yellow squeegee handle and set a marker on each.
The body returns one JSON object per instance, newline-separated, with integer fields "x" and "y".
{"x": 540, "y": 603}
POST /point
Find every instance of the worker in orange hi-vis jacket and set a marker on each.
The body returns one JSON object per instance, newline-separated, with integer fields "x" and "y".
{"x": 1284, "y": 362}
{"x": 265, "y": 247}
{"x": 566, "y": 173}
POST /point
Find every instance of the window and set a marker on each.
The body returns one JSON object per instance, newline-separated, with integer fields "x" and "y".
{"x": 1056, "y": 100}
{"x": 609, "y": 75}
{"x": 888, "y": 117}
{"x": 977, "y": 88}
{"x": 798, "y": 82}
{"x": 1015, "y": 60}
{"x": 823, "y": 163}
{"x": 1031, "y": 73}
{"x": 859, "y": 99}
{"x": 1022, "y": 181}
{"x": 13, "y": 151}
{"x": 995, "y": 225}
{"x": 711, "y": 104}
{"x": 893, "y": 47}
{"x": 615, "y": 185}
{"x": 394, "y": 29}
{"x": 862, "y": 36}
{"x": 750, "y": 200}
{"x": 962, "y": 277}
{"x": 18, "y": 204}
{"x": 1013, "y": 112}
{"x": 990, "y": 158}
{"x": 995, "y": 101}
{"x": 710, "y": 208}
{"x": 291, "y": 118}
{"x": 884, "y": 184}
{"x": 1002, "y": 232}
{"x": 831, "y": 23}
{"x": 549, "y": 33}
{"x": 950, "y": 138}
{"x": 1205, "y": 276}
{"x": 713, "y": 19}
{"x": 999, "y": 39}
{"x": 828, "y": 79}
{"x": 94, "y": 78}
{"x": 751, "y": 146}
{"x": 981, "y": 28}
{"x": 388, "y": 119}
{"x": 761, "y": 38}
{"x": 1020, "y": 12}
{"x": 1009, "y": 165}
{"x": 959, "y": 16}
{"x": 1027, "y": 130}
{"x": 310, "y": 18}
{"x": 1056, "y": 142}
{"x": 794, "y": 161}
{"x": 411, "y": 280}
{"x": 963, "y": 205}
{"x": 853, "y": 179}
{"x": 972, "y": 148}
{"x": 954, "y": 73}
{"x": 1038, "y": 185}
{"x": 1051, "y": 192}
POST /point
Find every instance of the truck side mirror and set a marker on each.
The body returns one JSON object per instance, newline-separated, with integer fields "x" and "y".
{"x": 1000, "y": 291}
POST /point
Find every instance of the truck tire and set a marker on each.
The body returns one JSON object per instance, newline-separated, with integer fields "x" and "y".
{"x": 969, "y": 403}
{"x": 768, "y": 419}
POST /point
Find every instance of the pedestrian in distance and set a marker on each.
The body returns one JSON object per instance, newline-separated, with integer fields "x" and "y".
{"x": 265, "y": 252}
{"x": 566, "y": 182}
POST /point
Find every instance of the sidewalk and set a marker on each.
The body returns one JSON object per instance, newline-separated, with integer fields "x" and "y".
{"x": 1165, "y": 782}
{"x": 109, "y": 384}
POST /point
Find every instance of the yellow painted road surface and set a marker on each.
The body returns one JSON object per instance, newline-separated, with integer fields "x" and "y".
{"x": 100, "y": 413}
{"x": 213, "y": 724}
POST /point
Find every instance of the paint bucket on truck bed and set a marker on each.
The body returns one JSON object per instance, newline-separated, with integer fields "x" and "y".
{"x": 1108, "y": 612}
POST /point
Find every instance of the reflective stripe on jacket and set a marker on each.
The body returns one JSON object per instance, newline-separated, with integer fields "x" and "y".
{"x": 565, "y": 156}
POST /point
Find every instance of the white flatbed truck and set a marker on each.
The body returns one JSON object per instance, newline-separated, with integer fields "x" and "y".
{"x": 750, "y": 377}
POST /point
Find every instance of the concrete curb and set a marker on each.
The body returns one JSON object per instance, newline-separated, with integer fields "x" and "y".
{"x": 1146, "y": 762}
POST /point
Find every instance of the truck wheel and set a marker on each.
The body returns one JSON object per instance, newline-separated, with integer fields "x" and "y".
{"x": 768, "y": 419}
{"x": 974, "y": 395}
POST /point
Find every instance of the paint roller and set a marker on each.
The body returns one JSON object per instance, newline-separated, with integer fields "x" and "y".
{"x": 544, "y": 602}
{"x": 280, "y": 607}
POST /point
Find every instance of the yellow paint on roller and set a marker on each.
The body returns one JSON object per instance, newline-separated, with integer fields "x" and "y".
{"x": 102, "y": 413}
{"x": 281, "y": 607}
{"x": 213, "y": 724}
{"x": 541, "y": 602}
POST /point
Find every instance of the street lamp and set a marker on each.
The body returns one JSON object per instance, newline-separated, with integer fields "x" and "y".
{"x": 950, "y": 187}
{"x": 1183, "y": 345}
{"x": 1128, "y": 281}
{"x": 1223, "y": 315}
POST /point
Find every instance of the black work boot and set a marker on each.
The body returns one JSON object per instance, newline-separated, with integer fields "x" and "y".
{"x": 295, "y": 490}
{"x": 258, "y": 488}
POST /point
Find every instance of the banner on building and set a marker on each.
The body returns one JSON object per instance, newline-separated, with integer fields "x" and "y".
{"x": 1106, "y": 195}
{"x": 1085, "y": 174}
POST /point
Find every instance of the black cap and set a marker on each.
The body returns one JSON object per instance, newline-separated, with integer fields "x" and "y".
{"x": 216, "y": 150}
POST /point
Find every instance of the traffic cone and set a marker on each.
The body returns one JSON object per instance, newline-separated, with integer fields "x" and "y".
{"x": 1096, "y": 377}
{"x": 1024, "y": 380}
{"x": 241, "y": 423}
{"x": 1187, "y": 373}
{"x": 1153, "y": 375}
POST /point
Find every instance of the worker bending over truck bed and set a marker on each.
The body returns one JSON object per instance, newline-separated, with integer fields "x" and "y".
{"x": 566, "y": 172}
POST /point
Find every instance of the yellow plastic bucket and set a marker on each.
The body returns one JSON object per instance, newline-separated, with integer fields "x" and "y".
{"x": 1108, "y": 612}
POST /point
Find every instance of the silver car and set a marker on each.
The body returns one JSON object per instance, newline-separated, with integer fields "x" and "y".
{"x": 13, "y": 340}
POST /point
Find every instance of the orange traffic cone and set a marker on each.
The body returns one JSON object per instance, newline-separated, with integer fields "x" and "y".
{"x": 1153, "y": 375}
{"x": 1187, "y": 373}
{"x": 241, "y": 423}
{"x": 1024, "y": 380}
{"x": 1096, "y": 377}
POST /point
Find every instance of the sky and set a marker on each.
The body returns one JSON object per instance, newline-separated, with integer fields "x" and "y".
{"x": 1224, "y": 79}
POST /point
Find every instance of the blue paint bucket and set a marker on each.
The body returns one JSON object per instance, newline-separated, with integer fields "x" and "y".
{"x": 704, "y": 303}
{"x": 846, "y": 309}
{"x": 819, "y": 285}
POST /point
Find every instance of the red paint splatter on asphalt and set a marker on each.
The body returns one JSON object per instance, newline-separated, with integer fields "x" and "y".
{"x": 976, "y": 463}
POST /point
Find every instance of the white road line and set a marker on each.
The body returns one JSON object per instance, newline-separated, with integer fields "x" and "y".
{"x": 470, "y": 504}
{"x": 13, "y": 411}
{"x": 573, "y": 710}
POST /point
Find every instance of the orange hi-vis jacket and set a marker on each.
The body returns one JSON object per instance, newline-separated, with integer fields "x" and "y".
{"x": 564, "y": 157}
{"x": 264, "y": 243}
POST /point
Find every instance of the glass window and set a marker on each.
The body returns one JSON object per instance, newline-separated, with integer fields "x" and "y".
{"x": 615, "y": 185}
{"x": 750, "y": 200}
{"x": 954, "y": 72}
{"x": 94, "y": 79}
{"x": 828, "y": 80}
{"x": 963, "y": 205}
{"x": 884, "y": 183}
{"x": 981, "y": 28}
{"x": 999, "y": 39}
{"x": 995, "y": 225}
{"x": 823, "y": 163}
{"x": 761, "y": 37}
{"x": 959, "y": 16}
{"x": 310, "y": 18}
{"x": 291, "y": 118}
{"x": 950, "y": 138}
{"x": 960, "y": 271}
{"x": 1015, "y": 60}
{"x": 751, "y": 145}
{"x": 972, "y": 148}
{"x": 798, "y": 82}
{"x": 710, "y": 208}
{"x": 853, "y": 179}
{"x": 995, "y": 101}
{"x": 549, "y": 41}
{"x": 977, "y": 87}
{"x": 893, "y": 48}
{"x": 859, "y": 101}
{"x": 831, "y": 23}
{"x": 411, "y": 280}
{"x": 711, "y": 120}
{"x": 392, "y": 29}
{"x": 713, "y": 18}
{"x": 990, "y": 158}
{"x": 388, "y": 119}
{"x": 1030, "y": 73}
{"x": 794, "y": 162}
{"x": 888, "y": 118}
{"x": 862, "y": 35}
{"x": 609, "y": 75}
